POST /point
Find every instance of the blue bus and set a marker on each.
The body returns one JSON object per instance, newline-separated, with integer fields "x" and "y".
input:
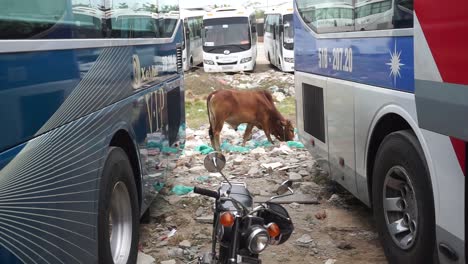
{"x": 92, "y": 116}
{"x": 381, "y": 104}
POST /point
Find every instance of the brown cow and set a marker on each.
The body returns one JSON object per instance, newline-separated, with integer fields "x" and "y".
{"x": 256, "y": 108}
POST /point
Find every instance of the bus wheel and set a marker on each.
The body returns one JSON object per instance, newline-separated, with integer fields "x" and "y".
{"x": 191, "y": 63}
{"x": 118, "y": 211}
{"x": 403, "y": 200}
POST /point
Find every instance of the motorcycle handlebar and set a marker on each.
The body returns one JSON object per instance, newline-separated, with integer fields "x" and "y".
{"x": 206, "y": 192}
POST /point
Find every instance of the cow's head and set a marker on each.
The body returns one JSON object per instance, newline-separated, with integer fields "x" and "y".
{"x": 284, "y": 130}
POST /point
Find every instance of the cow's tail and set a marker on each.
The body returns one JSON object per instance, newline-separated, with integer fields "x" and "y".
{"x": 210, "y": 116}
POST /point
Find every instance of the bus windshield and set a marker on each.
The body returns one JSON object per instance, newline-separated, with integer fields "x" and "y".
{"x": 226, "y": 32}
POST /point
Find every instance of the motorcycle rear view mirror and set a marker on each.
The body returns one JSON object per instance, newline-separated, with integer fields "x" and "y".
{"x": 214, "y": 162}
{"x": 284, "y": 188}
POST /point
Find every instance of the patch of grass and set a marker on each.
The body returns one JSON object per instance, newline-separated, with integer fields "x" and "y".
{"x": 288, "y": 108}
{"x": 195, "y": 112}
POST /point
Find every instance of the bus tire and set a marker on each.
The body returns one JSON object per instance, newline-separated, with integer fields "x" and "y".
{"x": 401, "y": 173}
{"x": 118, "y": 206}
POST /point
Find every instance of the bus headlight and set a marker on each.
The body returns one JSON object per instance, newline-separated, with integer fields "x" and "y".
{"x": 258, "y": 240}
{"x": 245, "y": 60}
{"x": 290, "y": 60}
{"x": 208, "y": 62}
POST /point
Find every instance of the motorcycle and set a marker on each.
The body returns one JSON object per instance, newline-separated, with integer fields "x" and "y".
{"x": 241, "y": 230}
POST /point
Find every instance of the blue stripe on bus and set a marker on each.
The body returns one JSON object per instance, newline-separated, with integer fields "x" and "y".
{"x": 371, "y": 58}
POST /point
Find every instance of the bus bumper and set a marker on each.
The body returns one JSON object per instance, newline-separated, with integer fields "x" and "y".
{"x": 288, "y": 67}
{"x": 238, "y": 67}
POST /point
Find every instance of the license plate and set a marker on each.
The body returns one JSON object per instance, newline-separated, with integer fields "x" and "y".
{"x": 226, "y": 68}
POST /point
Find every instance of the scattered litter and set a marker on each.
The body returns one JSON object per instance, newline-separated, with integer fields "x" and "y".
{"x": 181, "y": 190}
{"x": 185, "y": 244}
{"x": 205, "y": 219}
{"x": 283, "y": 149}
{"x": 330, "y": 261}
{"x": 169, "y": 235}
{"x": 171, "y": 261}
{"x": 304, "y": 239}
{"x": 272, "y": 165}
{"x": 158, "y": 186}
{"x": 344, "y": 245}
{"x": 231, "y": 148}
{"x": 258, "y": 151}
{"x": 204, "y": 149}
{"x": 241, "y": 127}
{"x": 295, "y": 144}
{"x": 203, "y": 178}
{"x": 145, "y": 258}
{"x": 279, "y": 96}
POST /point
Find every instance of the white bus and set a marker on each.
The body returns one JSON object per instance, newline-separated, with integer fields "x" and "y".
{"x": 279, "y": 38}
{"x": 192, "y": 53}
{"x": 373, "y": 14}
{"x": 229, "y": 40}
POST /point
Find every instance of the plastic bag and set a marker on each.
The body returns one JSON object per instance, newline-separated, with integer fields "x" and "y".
{"x": 181, "y": 190}
{"x": 228, "y": 147}
{"x": 295, "y": 144}
{"x": 204, "y": 149}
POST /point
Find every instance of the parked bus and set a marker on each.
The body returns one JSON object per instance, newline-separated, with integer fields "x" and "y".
{"x": 384, "y": 111}
{"x": 279, "y": 38}
{"x": 229, "y": 40}
{"x": 92, "y": 111}
{"x": 192, "y": 52}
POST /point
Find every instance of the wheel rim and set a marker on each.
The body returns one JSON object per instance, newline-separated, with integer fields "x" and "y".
{"x": 120, "y": 224}
{"x": 400, "y": 207}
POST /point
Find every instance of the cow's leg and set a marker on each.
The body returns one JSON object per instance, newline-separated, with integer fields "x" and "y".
{"x": 217, "y": 134}
{"x": 267, "y": 131}
{"x": 247, "y": 133}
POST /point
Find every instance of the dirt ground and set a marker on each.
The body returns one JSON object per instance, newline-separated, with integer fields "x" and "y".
{"x": 345, "y": 232}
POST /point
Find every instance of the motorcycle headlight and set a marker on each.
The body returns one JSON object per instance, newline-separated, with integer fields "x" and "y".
{"x": 208, "y": 62}
{"x": 245, "y": 60}
{"x": 258, "y": 240}
{"x": 290, "y": 60}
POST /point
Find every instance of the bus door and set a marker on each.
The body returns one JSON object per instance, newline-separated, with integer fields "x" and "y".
{"x": 187, "y": 40}
{"x": 276, "y": 40}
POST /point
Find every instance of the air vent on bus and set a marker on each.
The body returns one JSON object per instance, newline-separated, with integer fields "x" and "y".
{"x": 179, "y": 59}
{"x": 227, "y": 63}
{"x": 313, "y": 107}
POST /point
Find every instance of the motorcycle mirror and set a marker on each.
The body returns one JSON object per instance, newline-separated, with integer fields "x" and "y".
{"x": 214, "y": 162}
{"x": 284, "y": 187}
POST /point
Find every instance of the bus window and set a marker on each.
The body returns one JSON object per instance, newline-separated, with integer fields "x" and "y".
{"x": 327, "y": 16}
{"x": 87, "y": 21}
{"x": 24, "y": 19}
{"x": 383, "y": 14}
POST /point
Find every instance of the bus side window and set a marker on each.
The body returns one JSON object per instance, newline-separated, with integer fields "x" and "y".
{"x": 88, "y": 20}
{"x": 24, "y": 19}
{"x": 138, "y": 19}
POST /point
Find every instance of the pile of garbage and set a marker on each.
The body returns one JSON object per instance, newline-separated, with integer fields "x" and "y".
{"x": 281, "y": 85}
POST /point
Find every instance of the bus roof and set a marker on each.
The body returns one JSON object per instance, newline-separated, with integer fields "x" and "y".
{"x": 184, "y": 13}
{"x": 228, "y": 12}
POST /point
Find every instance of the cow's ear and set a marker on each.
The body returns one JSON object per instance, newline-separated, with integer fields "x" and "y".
{"x": 283, "y": 122}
